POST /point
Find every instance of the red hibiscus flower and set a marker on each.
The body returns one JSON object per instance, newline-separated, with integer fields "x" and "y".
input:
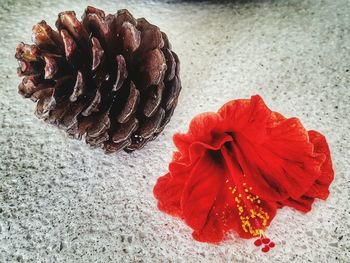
{"x": 234, "y": 168}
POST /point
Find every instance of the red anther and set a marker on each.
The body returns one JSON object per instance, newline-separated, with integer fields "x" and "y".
{"x": 272, "y": 244}
{"x": 266, "y": 240}
{"x": 265, "y": 249}
{"x": 257, "y": 242}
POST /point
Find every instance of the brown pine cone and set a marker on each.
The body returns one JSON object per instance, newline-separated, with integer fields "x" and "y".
{"x": 111, "y": 79}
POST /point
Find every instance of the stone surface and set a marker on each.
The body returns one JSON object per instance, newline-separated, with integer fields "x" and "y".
{"x": 63, "y": 202}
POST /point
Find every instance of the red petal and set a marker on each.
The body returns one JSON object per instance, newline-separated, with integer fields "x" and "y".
{"x": 209, "y": 206}
{"x": 274, "y": 152}
{"x": 168, "y": 189}
{"x": 199, "y": 196}
{"x": 303, "y": 203}
{"x": 320, "y": 187}
{"x": 203, "y": 129}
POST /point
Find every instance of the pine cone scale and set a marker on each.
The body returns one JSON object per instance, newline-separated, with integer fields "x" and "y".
{"x": 125, "y": 130}
{"x": 172, "y": 93}
{"x": 79, "y": 87}
{"x": 47, "y": 39}
{"x": 171, "y": 64}
{"x": 148, "y": 128}
{"x": 153, "y": 100}
{"x": 97, "y": 54}
{"x": 130, "y": 106}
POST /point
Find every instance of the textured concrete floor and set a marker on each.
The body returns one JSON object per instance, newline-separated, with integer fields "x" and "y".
{"x": 62, "y": 202}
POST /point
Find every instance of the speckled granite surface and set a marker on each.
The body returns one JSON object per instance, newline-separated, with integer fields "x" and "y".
{"x": 62, "y": 202}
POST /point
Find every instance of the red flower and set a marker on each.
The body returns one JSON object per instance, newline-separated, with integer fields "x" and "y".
{"x": 234, "y": 168}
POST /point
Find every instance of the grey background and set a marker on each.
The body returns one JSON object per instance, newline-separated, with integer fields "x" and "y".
{"x": 63, "y": 202}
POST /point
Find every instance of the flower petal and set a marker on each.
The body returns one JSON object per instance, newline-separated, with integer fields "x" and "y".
{"x": 204, "y": 133}
{"x": 319, "y": 189}
{"x": 204, "y": 184}
{"x": 209, "y": 205}
{"x": 168, "y": 189}
{"x": 275, "y": 153}
{"x": 199, "y": 130}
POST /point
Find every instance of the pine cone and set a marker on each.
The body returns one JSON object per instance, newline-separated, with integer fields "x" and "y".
{"x": 110, "y": 79}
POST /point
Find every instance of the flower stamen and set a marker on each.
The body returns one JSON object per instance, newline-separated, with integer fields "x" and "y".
{"x": 264, "y": 241}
